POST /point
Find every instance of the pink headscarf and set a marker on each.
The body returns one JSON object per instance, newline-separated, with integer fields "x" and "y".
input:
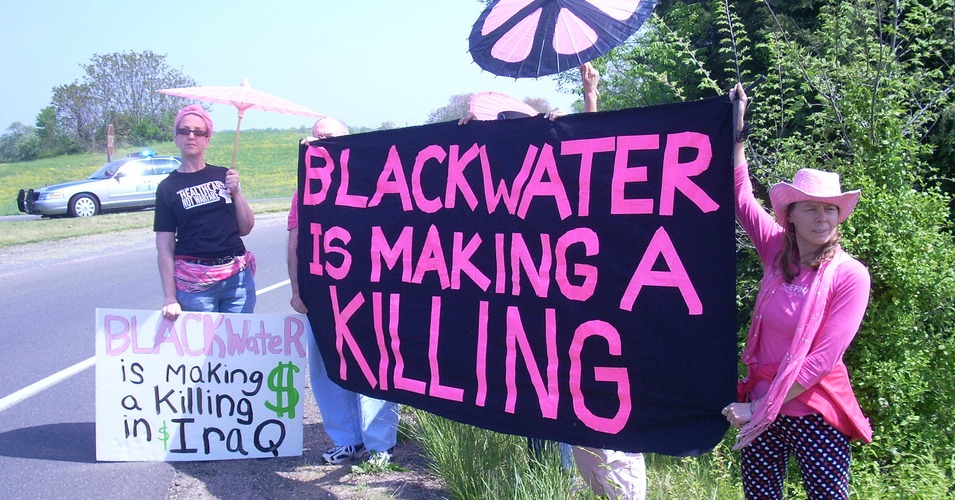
{"x": 193, "y": 109}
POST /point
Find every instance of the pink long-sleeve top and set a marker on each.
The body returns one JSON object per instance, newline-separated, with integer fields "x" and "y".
{"x": 293, "y": 212}
{"x": 846, "y": 302}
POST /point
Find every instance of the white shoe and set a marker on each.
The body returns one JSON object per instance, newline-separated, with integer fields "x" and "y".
{"x": 340, "y": 454}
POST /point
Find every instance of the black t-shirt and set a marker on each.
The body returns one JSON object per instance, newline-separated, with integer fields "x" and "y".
{"x": 198, "y": 208}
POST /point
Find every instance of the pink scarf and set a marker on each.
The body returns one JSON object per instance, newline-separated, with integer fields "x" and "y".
{"x": 195, "y": 278}
{"x": 808, "y": 326}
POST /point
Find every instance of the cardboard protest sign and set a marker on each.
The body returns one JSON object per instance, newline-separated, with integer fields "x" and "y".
{"x": 571, "y": 280}
{"x": 208, "y": 386}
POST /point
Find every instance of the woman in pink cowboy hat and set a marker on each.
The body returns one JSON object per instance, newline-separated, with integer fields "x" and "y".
{"x": 796, "y": 399}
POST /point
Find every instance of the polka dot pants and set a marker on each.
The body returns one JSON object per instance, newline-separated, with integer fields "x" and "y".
{"x": 821, "y": 451}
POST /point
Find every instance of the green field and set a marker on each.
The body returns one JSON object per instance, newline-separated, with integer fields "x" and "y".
{"x": 266, "y": 159}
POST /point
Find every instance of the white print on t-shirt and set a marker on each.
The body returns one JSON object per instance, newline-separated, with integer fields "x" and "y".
{"x": 794, "y": 290}
{"x": 203, "y": 194}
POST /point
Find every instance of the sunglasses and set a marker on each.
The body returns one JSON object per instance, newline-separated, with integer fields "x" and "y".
{"x": 187, "y": 131}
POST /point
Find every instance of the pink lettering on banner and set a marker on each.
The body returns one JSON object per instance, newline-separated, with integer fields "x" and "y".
{"x": 617, "y": 375}
{"x": 332, "y": 242}
{"x": 501, "y": 279}
{"x": 480, "y": 398}
{"x": 588, "y": 238}
{"x": 333, "y": 235}
{"x": 210, "y": 323}
{"x": 424, "y": 203}
{"x": 676, "y": 175}
{"x": 294, "y": 330}
{"x": 315, "y": 264}
{"x": 624, "y": 173}
{"x": 425, "y": 299}
{"x": 343, "y": 335}
{"x": 401, "y": 382}
{"x": 392, "y": 181}
{"x": 318, "y": 166}
{"x": 380, "y": 249}
{"x": 512, "y": 197}
{"x": 586, "y": 148}
{"x": 456, "y": 179}
{"x": 436, "y": 389}
{"x": 521, "y": 258}
{"x": 167, "y": 333}
{"x": 117, "y": 329}
{"x": 206, "y": 326}
{"x": 461, "y": 262}
{"x": 198, "y": 334}
{"x": 545, "y": 181}
{"x": 343, "y": 198}
{"x": 378, "y": 321}
{"x": 181, "y": 340}
{"x": 547, "y": 397}
{"x": 676, "y": 276}
{"x": 432, "y": 259}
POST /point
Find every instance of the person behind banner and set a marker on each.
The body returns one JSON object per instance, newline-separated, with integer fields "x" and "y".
{"x": 360, "y": 427}
{"x": 537, "y": 447}
{"x": 200, "y": 218}
{"x": 610, "y": 473}
{"x": 796, "y": 398}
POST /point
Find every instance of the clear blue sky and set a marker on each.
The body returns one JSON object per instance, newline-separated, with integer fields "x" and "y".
{"x": 363, "y": 61}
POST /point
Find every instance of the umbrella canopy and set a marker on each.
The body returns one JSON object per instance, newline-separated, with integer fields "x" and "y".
{"x": 533, "y": 38}
{"x": 489, "y": 106}
{"x": 242, "y": 98}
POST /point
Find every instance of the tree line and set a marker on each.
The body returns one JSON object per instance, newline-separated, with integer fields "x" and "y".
{"x": 118, "y": 89}
{"x": 864, "y": 88}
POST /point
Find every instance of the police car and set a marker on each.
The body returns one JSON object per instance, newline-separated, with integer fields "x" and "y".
{"x": 124, "y": 184}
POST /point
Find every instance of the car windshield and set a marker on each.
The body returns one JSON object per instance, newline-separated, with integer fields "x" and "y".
{"x": 107, "y": 171}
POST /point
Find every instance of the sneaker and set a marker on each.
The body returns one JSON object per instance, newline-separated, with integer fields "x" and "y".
{"x": 380, "y": 459}
{"x": 340, "y": 454}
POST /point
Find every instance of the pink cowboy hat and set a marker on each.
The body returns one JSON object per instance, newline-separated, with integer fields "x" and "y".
{"x": 812, "y": 185}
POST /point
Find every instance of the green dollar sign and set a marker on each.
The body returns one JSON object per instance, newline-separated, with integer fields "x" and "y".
{"x": 164, "y": 436}
{"x": 281, "y": 382}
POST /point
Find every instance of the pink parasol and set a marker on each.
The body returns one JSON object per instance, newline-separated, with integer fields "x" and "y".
{"x": 242, "y": 97}
{"x": 489, "y": 105}
{"x": 533, "y": 38}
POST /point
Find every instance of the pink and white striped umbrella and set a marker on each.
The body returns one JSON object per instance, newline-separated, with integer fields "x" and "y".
{"x": 490, "y": 105}
{"x": 242, "y": 98}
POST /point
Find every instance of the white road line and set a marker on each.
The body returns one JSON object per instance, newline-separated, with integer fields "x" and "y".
{"x": 272, "y": 287}
{"x": 56, "y": 378}
{"x": 46, "y": 383}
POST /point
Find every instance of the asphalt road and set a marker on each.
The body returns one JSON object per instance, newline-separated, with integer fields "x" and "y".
{"x": 49, "y": 295}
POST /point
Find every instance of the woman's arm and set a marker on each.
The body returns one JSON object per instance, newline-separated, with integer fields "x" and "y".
{"x": 848, "y": 300}
{"x": 590, "y": 78}
{"x": 244, "y": 215}
{"x": 165, "y": 248}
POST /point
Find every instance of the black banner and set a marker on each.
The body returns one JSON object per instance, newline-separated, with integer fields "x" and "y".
{"x": 571, "y": 280}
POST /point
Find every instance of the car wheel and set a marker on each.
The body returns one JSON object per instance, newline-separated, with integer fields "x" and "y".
{"x": 84, "y": 205}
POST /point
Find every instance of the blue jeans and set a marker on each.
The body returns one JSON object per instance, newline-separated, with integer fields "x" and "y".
{"x": 231, "y": 295}
{"x": 351, "y": 418}
{"x": 538, "y": 446}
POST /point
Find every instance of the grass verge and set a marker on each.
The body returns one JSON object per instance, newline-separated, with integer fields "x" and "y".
{"x": 477, "y": 463}
{"x": 267, "y": 161}
{"x": 39, "y": 230}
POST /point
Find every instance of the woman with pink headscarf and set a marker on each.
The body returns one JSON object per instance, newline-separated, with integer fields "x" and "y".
{"x": 796, "y": 399}
{"x": 200, "y": 219}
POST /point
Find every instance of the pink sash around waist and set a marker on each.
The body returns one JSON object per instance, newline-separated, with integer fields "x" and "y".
{"x": 193, "y": 277}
